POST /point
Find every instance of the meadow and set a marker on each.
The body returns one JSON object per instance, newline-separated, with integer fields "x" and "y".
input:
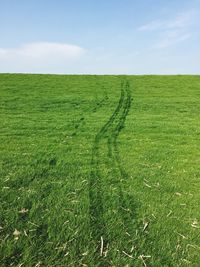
{"x": 99, "y": 170}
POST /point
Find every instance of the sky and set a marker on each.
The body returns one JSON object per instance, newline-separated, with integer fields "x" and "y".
{"x": 100, "y": 37}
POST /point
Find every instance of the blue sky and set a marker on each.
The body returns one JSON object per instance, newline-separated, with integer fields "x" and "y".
{"x": 101, "y": 37}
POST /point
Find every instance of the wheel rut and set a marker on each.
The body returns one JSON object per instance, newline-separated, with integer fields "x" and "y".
{"x": 105, "y": 155}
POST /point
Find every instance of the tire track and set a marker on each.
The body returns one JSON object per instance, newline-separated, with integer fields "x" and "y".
{"x": 126, "y": 208}
{"x": 97, "y": 185}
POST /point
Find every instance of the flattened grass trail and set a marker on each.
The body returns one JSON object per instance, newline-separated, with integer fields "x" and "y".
{"x": 99, "y": 171}
{"x": 98, "y": 183}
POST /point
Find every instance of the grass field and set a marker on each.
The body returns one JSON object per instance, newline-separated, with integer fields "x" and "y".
{"x": 99, "y": 171}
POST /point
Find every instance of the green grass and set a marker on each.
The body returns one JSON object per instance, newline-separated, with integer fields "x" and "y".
{"x": 99, "y": 170}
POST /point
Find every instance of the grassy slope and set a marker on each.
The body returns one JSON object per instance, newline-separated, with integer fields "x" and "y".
{"x": 107, "y": 171}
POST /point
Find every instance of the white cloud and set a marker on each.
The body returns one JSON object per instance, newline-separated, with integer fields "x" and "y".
{"x": 171, "y": 38}
{"x": 151, "y": 26}
{"x": 39, "y": 57}
{"x": 171, "y": 31}
{"x": 181, "y": 20}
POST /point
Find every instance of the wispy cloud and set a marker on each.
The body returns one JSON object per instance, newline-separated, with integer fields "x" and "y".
{"x": 171, "y": 38}
{"x": 171, "y": 31}
{"x": 181, "y": 20}
{"x": 38, "y": 56}
{"x": 152, "y": 26}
